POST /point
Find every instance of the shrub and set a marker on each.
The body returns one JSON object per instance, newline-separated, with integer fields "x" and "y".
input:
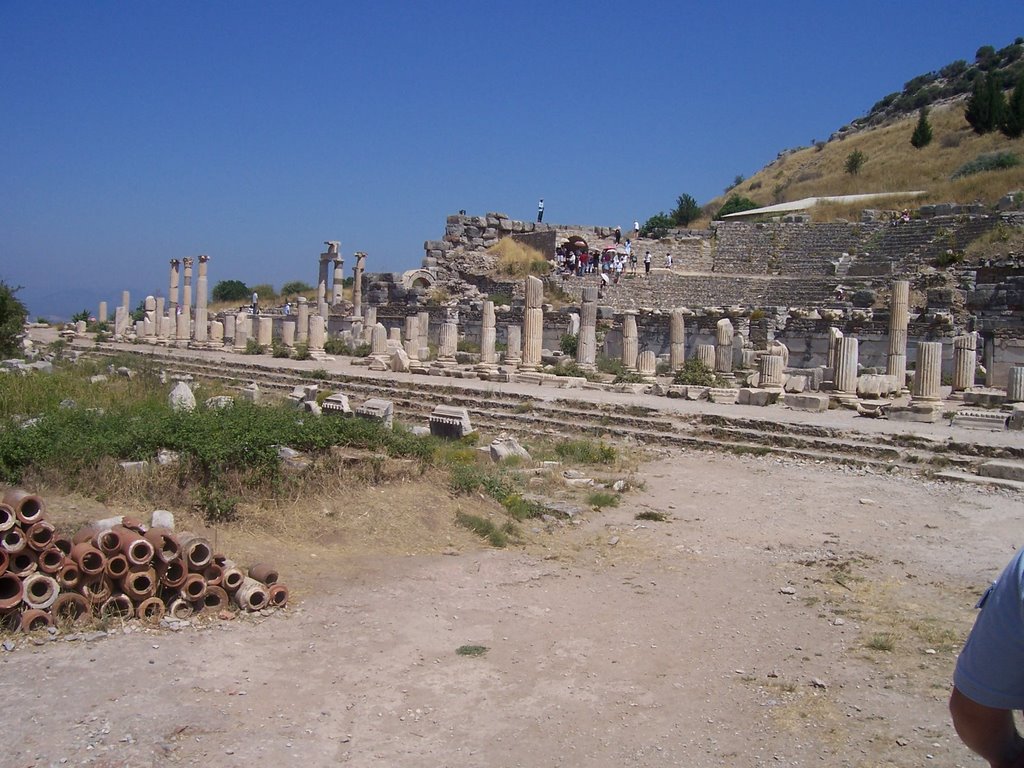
{"x": 231, "y": 290}
{"x": 585, "y": 452}
{"x": 989, "y": 161}
{"x": 265, "y": 290}
{"x": 253, "y": 347}
{"x": 1013, "y": 123}
{"x": 695, "y": 372}
{"x": 361, "y": 350}
{"x": 277, "y": 349}
{"x": 483, "y": 528}
{"x": 337, "y": 346}
{"x": 854, "y": 162}
{"x": 601, "y": 499}
{"x": 657, "y": 226}
{"x": 301, "y": 352}
{"x": 986, "y": 106}
{"x": 569, "y": 344}
{"x": 295, "y": 286}
{"x": 628, "y": 377}
{"x": 500, "y": 298}
{"x": 80, "y": 316}
{"x": 518, "y": 260}
{"x": 735, "y": 204}
{"x": 686, "y": 210}
{"x": 12, "y": 320}
{"x": 922, "y": 135}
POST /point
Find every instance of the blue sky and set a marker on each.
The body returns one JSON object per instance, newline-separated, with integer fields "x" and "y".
{"x": 134, "y": 133}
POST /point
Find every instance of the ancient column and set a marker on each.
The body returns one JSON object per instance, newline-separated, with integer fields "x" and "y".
{"x": 965, "y": 361}
{"x": 706, "y": 354}
{"x": 302, "y": 331}
{"x": 317, "y": 334}
{"x": 102, "y": 314}
{"x": 265, "y": 334}
{"x": 201, "y": 299}
{"x": 378, "y": 339}
{"x": 243, "y": 327}
{"x": 412, "y": 337}
{"x": 184, "y": 321}
{"x": 227, "y": 328}
{"x": 370, "y": 321}
{"x": 513, "y": 349}
{"x": 630, "y": 341}
{"x": 326, "y": 258}
{"x": 770, "y": 371}
{"x": 423, "y": 327}
{"x": 121, "y": 318}
{"x": 449, "y": 342}
{"x": 1015, "y": 385}
{"x": 288, "y": 333}
{"x": 357, "y": 284}
{"x": 533, "y": 324}
{"x": 150, "y": 320}
{"x": 834, "y": 337}
{"x": 928, "y": 371}
{"x": 647, "y": 364}
{"x": 216, "y": 333}
{"x": 126, "y": 301}
{"x": 338, "y": 281}
{"x": 723, "y": 346}
{"x": 172, "y": 293}
{"x": 488, "y": 335}
{"x": 677, "y": 340}
{"x": 586, "y": 342}
{"x": 899, "y": 319}
{"x": 846, "y": 365}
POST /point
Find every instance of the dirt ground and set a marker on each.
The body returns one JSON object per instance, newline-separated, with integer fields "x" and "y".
{"x": 785, "y": 614}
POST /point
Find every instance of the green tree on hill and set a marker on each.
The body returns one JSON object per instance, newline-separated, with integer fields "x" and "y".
{"x": 230, "y": 290}
{"x": 657, "y": 226}
{"x": 854, "y": 162}
{"x": 686, "y": 210}
{"x": 12, "y": 319}
{"x": 1013, "y": 122}
{"x": 735, "y": 204}
{"x": 295, "y": 286}
{"x": 922, "y": 136}
{"x": 987, "y": 105}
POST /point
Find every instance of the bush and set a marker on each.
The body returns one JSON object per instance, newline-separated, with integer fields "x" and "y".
{"x": 986, "y": 106}
{"x": 569, "y": 344}
{"x": 585, "y": 452}
{"x": 12, "y": 320}
{"x": 518, "y": 260}
{"x": 231, "y": 290}
{"x": 990, "y": 161}
{"x": 294, "y": 287}
{"x": 922, "y": 135}
{"x": 279, "y": 350}
{"x": 657, "y": 226}
{"x": 336, "y": 346}
{"x": 854, "y": 162}
{"x": 301, "y": 352}
{"x": 695, "y": 372}
{"x": 1013, "y": 123}
{"x": 253, "y": 347}
{"x": 735, "y": 204}
{"x": 686, "y": 210}
{"x": 265, "y": 291}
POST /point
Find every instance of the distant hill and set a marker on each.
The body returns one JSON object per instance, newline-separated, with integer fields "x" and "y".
{"x": 943, "y": 168}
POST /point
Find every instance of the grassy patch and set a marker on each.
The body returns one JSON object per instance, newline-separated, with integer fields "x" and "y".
{"x": 649, "y": 514}
{"x": 600, "y": 499}
{"x": 586, "y": 452}
{"x": 483, "y": 528}
{"x": 882, "y": 641}
{"x": 471, "y": 650}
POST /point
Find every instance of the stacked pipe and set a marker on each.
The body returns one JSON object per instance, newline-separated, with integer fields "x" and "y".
{"x": 120, "y": 570}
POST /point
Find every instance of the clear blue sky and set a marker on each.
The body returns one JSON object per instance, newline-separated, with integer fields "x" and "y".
{"x": 134, "y": 133}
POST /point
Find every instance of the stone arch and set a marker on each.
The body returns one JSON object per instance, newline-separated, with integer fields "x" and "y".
{"x": 418, "y": 278}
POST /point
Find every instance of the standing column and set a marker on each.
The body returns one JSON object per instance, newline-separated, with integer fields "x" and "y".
{"x": 488, "y": 335}
{"x": 533, "y": 324}
{"x": 412, "y": 337}
{"x": 338, "y": 281}
{"x": 184, "y": 324}
{"x": 302, "y": 331}
{"x": 586, "y": 343}
{"x": 201, "y": 299}
{"x": 965, "y": 361}
{"x": 357, "y": 284}
{"x": 647, "y": 364}
{"x": 317, "y": 335}
{"x": 677, "y": 340}
{"x": 161, "y": 319}
{"x": 899, "y": 320}
{"x": 126, "y": 301}
{"x": 928, "y": 371}
{"x": 770, "y": 371}
{"x": 321, "y": 284}
{"x": 243, "y": 327}
{"x": 630, "y": 341}
{"x": 378, "y": 340}
{"x": 370, "y": 321}
{"x": 1015, "y": 384}
{"x": 172, "y": 293}
{"x": 449, "y": 342}
{"x": 513, "y": 349}
{"x": 102, "y": 315}
{"x": 723, "y": 346}
{"x": 706, "y": 354}
{"x": 846, "y": 366}
{"x": 835, "y": 336}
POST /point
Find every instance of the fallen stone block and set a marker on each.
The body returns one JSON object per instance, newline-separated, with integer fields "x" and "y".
{"x": 450, "y": 421}
{"x": 807, "y": 401}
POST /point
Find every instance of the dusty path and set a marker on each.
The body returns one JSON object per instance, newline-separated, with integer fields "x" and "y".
{"x": 679, "y": 644}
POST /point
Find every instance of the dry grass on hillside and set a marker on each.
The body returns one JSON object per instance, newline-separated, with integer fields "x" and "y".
{"x": 518, "y": 260}
{"x": 891, "y": 165}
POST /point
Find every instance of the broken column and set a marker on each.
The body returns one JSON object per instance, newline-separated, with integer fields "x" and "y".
{"x": 265, "y": 334}
{"x": 965, "y": 361}
{"x": 706, "y": 354}
{"x": 227, "y": 329}
{"x": 928, "y": 371}
{"x": 899, "y": 320}
{"x": 326, "y": 260}
{"x": 302, "y": 330}
{"x": 846, "y": 365}
{"x": 357, "y": 284}
{"x": 1015, "y": 384}
{"x": 533, "y": 324}
{"x": 586, "y": 342}
{"x": 488, "y": 335}
{"x": 630, "y": 341}
{"x": 369, "y": 321}
{"x": 513, "y": 347}
{"x": 317, "y": 335}
{"x": 647, "y": 364}
{"x": 243, "y": 329}
{"x": 769, "y": 371}
{"x": 449, "y": 342}
{"x": 723, "y": 346}
{"x": 184, "y": 315}
{"x": 102, "y": 315}
{"x": 150, "y": 320}
{"x": 412, "y": 337}
{"x": 378, "y": 340}
{"x": 423, "y": 327}
{"x": 201, "y": 299}
{"x": 835, "y": 336}
{"x": 677, "y": 340}
{"x": 172, "y": 293}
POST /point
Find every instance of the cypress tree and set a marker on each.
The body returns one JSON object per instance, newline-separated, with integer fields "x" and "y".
{"x": 987, "y": 105}
{"x": 922, "y": 136}
{"x": 1013, "y": 123}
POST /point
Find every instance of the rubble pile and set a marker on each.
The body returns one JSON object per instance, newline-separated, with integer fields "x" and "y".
{"x": 116, "y": 568}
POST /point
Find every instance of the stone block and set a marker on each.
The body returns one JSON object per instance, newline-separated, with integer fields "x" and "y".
{"x": 378, "y": 410}
{"x": 807, "y": 401}
{"x": 694, "y": 392}
{"x": 1006, "y": 470}
{"x": 989, "y": 421}
{"x": 796, "y": 384}
{"x": 921, "y": 413}
{"x": 450, "y": 421}
{"x": 337, "y": 405}
{"x": 723, "y": 395}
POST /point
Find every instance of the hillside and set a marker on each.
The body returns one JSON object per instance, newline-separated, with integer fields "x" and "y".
{"x": 891, "y": 163}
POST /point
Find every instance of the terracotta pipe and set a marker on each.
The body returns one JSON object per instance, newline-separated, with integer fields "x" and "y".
{"x": 10, "y": 592}
{"x": 233, "y": 576}
{"x": 89, "y": 559}
{"x": 28, "y": 507}
{"x": 7, "y": 517}
{"x": 51, "y": 560}
{"x": 179, "y": 608}
{"x": 63, "y": 543}
{"x": 194, "y": 587}
{"x": 215, "y": 599}
{"x": 96, "y": 590}
{"x": 117, "y": 607}
{"x": 263, "y": 573}
{"x": 139, "y": 585}
{"x": 251, "y": 596}
{"x": 277, "y": 595}
{"x": 165, "y": 543}
{"x": 85, "y": 535}
{"x": 151, "y": 610}
{"x": 4, "y": 559}
{"x": 172, "y": 574}
{"x": 40, "y": 535}
{"x": 39, "y": 591}
{"x": 116, "y": 567}
{"x": 34, "y": 619}
{"x": 133, "y": 546}
{"x": 70, "y": 575}
{"x": 133, "y": 524}
{"x": 213, "y": 574}
{"x": 109, "y": 542}
{"x": 13, "y": 540}
{"x": 22, "y": 563}
{"x": 70, "y": 608}
{"x": 195, "y": 551}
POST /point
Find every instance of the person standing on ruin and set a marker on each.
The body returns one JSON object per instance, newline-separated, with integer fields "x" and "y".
{"x": 540, "y": 211}
{"x": 255, "y": 302}
{"x": 668, "y": 260}
{"x": 618, "y": 235}
{"x": 636, "y": 230}
{"x": 647, "y": 263}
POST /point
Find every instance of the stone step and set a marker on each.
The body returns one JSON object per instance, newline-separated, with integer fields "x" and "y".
{"x": 967, "y": 477}
{"x": 1002, "y": 469}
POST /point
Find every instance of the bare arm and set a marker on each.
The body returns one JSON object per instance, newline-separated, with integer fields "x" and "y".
{"x": 991, "y": 733}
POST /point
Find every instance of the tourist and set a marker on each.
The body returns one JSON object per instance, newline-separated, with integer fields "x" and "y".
{"x": 636, "y": 230}
{"x": 988, "y": 683}
{"x": 287, "y": 308}
{"x": 668, "y": 260}
{"x": 620, "y": 263}
{"x": 647, "y": 263}
{"x": 255, "y": 303}
{"x": 540, "y": 211}
{"x": 618, "y": 235}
